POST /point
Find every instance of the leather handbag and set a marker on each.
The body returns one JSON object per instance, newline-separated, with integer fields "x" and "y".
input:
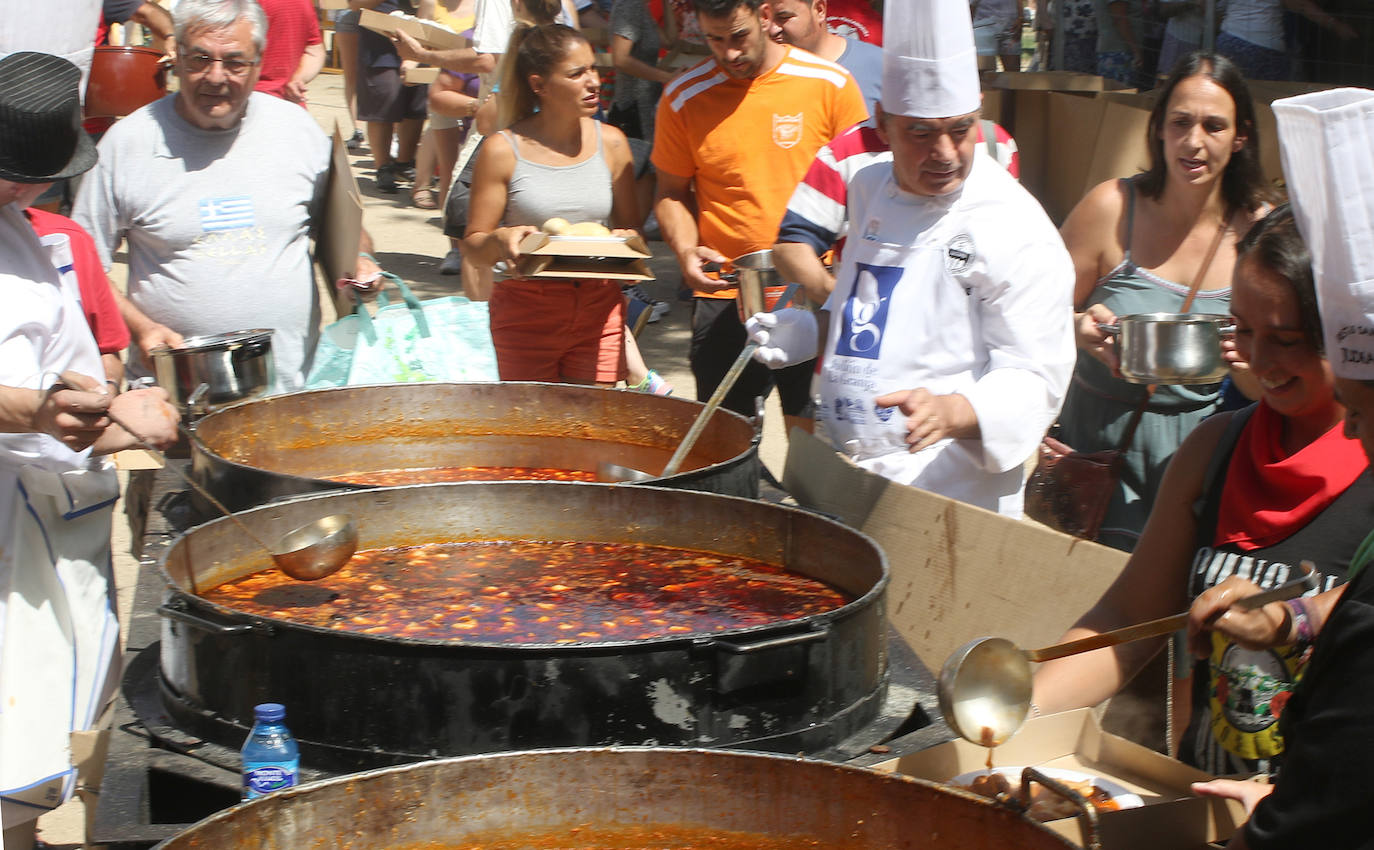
{"x": 1070, "y": 490}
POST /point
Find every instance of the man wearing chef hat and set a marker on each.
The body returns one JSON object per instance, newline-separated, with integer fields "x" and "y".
{"x": 1322, "y": 798}
{"x": 949, "y": 343}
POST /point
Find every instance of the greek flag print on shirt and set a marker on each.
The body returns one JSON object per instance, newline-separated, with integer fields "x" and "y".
{"x": 226, "y": 213}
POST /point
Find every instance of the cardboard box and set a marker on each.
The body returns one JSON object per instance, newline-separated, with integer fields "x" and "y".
{"x": 958, "y": 572}
{"x": 330, "y": 5}
{"x": 1095, "y": 138}
{"x": 1171, "y": 817}
{"x": 428, "y": 34}
{"x": 337, "y": 248}
{"x": 419, "y": 76}
{"x": 611, "y": 257}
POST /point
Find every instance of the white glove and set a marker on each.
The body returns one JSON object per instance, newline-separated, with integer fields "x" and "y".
{"x": 786, "y": 337}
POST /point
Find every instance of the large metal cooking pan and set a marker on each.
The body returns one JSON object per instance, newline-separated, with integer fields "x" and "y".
{"x": 1171, "y": 348}
{"x": 508, "y": 797}
{"x": 287, "y": 445}
{"x": 360, "y": 700}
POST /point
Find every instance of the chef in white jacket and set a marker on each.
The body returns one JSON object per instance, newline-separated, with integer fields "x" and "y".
{"x": 948, "y": 344}
{"x": 59, "y": 638}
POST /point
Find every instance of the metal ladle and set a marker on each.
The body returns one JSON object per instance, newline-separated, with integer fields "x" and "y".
{"x": 984, "y": 688}
{"x": 308, "y": 553}
{"x": 614, "y": 472}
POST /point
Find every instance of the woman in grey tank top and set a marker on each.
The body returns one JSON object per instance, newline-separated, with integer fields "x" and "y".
{"x": 554, "y": 161}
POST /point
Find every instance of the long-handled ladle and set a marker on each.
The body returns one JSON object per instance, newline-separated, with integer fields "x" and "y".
{"x": 308, "y": 553}
{"x": 984, "y": 689}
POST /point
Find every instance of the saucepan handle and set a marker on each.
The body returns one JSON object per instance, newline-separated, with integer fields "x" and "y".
{"x": 1087, "y": 813}
{"x": 1110, "y": 328}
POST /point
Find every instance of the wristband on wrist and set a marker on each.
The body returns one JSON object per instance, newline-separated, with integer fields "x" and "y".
{"x": 1302, "y": 625}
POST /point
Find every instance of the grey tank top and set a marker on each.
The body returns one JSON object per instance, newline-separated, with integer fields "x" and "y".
{"x": 577, "y": 192}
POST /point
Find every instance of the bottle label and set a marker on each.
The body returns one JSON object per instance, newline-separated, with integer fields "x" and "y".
{"x": 265, "y": 777}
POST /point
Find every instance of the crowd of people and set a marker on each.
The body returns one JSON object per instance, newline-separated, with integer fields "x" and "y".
{"x": 956, "y": 323}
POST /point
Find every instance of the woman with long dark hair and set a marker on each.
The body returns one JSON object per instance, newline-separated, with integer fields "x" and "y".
{"x": 1137, "y": 245}
{"x": 554, "y": 161}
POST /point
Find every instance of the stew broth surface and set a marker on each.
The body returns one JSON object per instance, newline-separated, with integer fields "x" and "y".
{"x": 528, "y": 592}
{"x": 636, "y": 838}
{"x": 447, "y": 474}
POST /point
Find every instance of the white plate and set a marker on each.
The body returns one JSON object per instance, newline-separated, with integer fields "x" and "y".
{"x": 614, "y": 240}
{"x": 1124, "y": 798}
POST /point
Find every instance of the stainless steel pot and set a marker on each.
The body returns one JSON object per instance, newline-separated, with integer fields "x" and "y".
{"x": 232, "y": 366}
{"x": 366, "y": 700}
{"x": 1170, "y": 348}
{"x": 550, "y": 798}
{"x": 290, "y": 444}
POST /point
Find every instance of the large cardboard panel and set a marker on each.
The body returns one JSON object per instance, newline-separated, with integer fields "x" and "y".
{"x": 958, "y": 572}
{"x": 1051, "y": 81}
{"x": 1171, "y": 816}
{"x": 337, "y": 251}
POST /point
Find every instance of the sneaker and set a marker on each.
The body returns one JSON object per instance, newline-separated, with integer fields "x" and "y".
{"x": 452, "y": 263}
{"x": 355, "y": 141}
{"x": 657, "y": 309}
{"x": 654, "y": 383}
{"x": 406, "y": 170}
{"x": 386, "y": 178}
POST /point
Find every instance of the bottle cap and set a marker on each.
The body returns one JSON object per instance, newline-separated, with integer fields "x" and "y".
{"x": 269, "y": 712}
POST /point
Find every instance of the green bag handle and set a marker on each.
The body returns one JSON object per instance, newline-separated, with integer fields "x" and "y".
{"x": 417, "y": 311}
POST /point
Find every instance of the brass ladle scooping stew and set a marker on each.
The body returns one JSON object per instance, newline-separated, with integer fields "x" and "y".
{"x": 984, "y": 688}
{"x": 308, "y": 553}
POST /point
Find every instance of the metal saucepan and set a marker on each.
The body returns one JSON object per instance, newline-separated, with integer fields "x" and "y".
{"x": 624, "y": 797}
{"x": 234, "y": 366}
{"x": 984, "y": 689}
{"x": 1170, "y": 348}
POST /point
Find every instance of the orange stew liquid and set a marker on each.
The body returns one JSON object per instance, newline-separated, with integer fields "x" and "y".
{"x": 635, "y": 838}
{"x": 443, "y": 474}
{"x": 528, "y": 592}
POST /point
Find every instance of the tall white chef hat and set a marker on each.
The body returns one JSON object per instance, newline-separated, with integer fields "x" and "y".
{"x": 930, "y": 68}
{"x": 1326, "y": 139}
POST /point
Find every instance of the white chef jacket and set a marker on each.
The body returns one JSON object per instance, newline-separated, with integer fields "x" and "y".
{"x": 58, "y": 630}
{"x": 968, "y": 293}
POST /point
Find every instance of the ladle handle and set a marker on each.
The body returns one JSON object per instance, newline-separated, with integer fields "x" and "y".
{"x": 726, "y": 384}
{"x": 1164, "y": 625}
{"x": 699, "y": 424}
{"x": 194, "y": 485}
{"x": 1140, "y": 631}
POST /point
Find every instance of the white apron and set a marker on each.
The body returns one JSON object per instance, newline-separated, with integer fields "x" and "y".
{"x": 58, "y": 629}
{"x": 902, "y": 321}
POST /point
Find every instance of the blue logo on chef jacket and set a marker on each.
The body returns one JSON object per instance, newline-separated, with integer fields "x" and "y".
{"x": 850, "y": 410}
{"x": 864, "y": 318}
{"x": 883, "y": 413}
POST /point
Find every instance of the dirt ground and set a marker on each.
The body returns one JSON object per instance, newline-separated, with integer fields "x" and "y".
{"x": 410, "y": 243}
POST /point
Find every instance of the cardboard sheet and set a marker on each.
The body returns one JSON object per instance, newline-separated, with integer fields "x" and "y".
{"x": 1171, "y": 816}
{"x": 419, "y": 76}
{"x": 429, "y": 35}
{"x": 337, "y": 242}
{"x": 958, "y": 572}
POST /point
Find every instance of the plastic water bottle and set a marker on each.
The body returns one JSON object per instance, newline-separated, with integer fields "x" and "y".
{"x": 271, "y": 760}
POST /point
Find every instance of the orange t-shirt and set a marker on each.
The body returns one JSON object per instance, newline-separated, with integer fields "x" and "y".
{"x": 746, "y": 144}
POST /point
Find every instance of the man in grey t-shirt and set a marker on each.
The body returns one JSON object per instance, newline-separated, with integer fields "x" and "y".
{"x": 216, "y": 190}
{"x": 801, "y": 23}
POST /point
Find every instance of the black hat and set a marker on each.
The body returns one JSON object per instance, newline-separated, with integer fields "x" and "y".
{"x": 41, "y": 139}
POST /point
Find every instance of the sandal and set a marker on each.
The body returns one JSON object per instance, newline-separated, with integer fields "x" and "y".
{"x": 425, "y": 198}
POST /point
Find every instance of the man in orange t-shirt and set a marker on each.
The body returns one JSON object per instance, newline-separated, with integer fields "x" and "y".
{"x": 735, "y": 134}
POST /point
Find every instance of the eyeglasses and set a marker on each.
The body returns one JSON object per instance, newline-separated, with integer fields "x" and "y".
{"x": 199, "y": 63}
